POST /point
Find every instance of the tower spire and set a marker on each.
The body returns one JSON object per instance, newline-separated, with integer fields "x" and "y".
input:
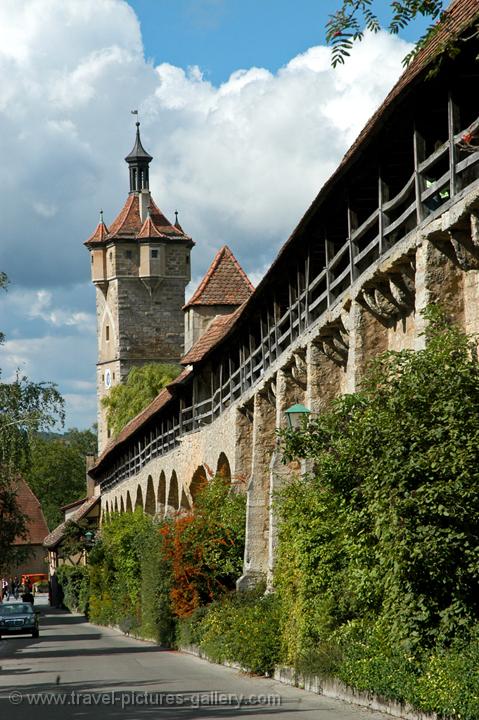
{"x": 139, "y": 161}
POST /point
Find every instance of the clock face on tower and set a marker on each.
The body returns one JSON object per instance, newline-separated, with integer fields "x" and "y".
{"x": 108, "y": 378}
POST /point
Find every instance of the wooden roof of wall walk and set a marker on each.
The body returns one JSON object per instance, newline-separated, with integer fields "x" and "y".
{"x": 460, "y": 15}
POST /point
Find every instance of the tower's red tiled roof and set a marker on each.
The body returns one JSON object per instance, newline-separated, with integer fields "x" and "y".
{"x": 99, "y": 235}
{"x": 128, "y": 224}
{"x": 128, "y": 220}
{"x": 149, "y": 229}
{"x": 37, "y": 527}
{"x": 215, "y": 331}
{"x": 225, "y": 283}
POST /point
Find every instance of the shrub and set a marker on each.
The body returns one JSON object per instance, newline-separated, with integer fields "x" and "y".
{"x": 240, "y": 628}
{"x": 157, "y": 620}
{"x": 74, "y": 580}
{"x": 206, "y": 547}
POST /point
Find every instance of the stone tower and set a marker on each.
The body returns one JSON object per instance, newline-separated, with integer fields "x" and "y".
{"x": 140, "y": 267}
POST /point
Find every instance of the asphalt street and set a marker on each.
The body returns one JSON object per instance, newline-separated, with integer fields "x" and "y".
{"x": 77, "y": 670}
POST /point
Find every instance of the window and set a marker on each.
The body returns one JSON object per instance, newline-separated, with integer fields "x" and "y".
{"x": 128, "y": 254}
{"x": 154, "y": 253}
{"x": 111, "y": 257}
{"x": 107, "y": 333}
{"x": 92, "y": 259}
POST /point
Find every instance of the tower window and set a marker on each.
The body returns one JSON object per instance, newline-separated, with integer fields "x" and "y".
{"x": 111, "y": 256}
{"x": 128, "y": 254}
{"x": 107, "y": 332}
{"x": 92, "y": 259}
{"x": 187, "y": 259}
{"x": 154, "y": 253}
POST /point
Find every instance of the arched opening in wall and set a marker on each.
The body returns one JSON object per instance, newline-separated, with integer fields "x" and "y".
{"x": 223, "y": 469}
{"x": 116, "y": 505}
{"x": 198, "y": 482}
{"x": 150, "y": 500}
{"x": 122, "y": 506}
{"x": 184, "y": 505}
{"x": 129, "y": 506}
{"x": 162, "y": 489}
{"x": 139, "y": 498}
{"x": 173, "y": 493}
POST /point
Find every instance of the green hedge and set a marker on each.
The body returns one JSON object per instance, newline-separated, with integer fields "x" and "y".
{"x": 242, "y": 628}
{"x": 75, "y": 583}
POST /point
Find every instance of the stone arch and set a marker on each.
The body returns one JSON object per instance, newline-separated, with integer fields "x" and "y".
{"x": 173, "y": 499}
{"x": 122, "y": 506}
{"x": 139, "y": 498}
{"x": 198, "y": 481}
{"x": 223, "y": 468}
{"x": 162, "y": 489}
{"x": 184, "y": 504}
{"x": 150, "y": 500}
{"x": 129, "y": 506}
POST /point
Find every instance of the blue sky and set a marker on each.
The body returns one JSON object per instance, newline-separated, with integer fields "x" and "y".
{"x": 239, "y": 107}
{"x": 223, "y": 35}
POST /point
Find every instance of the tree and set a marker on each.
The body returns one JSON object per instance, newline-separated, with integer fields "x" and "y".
{"x": 56, "y": 473}
{"x": 355, "y": 16}
{"x": 141, "y": 387}
{"x": 26, "y": 408}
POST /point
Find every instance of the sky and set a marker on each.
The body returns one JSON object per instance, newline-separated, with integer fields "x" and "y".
{"x": 239, "y": 107}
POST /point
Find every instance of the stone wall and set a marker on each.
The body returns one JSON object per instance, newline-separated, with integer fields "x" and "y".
{"x": 438, "y": 262}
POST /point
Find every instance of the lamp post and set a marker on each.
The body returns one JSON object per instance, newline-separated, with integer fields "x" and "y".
{"x": 296, "y": 416}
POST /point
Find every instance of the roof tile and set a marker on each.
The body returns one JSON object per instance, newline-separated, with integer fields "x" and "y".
{"x": 225, "y": 283}
{"x": 35, "y": 521}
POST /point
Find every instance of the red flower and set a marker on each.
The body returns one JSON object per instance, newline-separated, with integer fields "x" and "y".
{"x": 467, "y": 137}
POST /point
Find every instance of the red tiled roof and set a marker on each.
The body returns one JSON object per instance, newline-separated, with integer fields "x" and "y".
{"x": 149, "y": 229}
{"x": 225, "y": 283}
{"x": 52, "y": 540}
{"x": 99, "y": 235}
{"x": 30, "y": 506}
{"x": 128, "y": 221}
{"x": 215, "y": 331}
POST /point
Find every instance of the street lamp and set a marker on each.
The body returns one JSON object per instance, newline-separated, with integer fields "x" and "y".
{"x": 297, "y": 415}
{"x": 88, "y": 537}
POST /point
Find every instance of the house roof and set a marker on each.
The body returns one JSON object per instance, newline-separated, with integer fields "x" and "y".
{"x": 215, "y": 331}
{"x": 30, "y": 506}
{"x": 55, "y": 537}
{"x": 225, "y": 283}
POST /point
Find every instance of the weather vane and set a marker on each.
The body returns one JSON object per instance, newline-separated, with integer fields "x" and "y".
{"x": 135, "y": 112}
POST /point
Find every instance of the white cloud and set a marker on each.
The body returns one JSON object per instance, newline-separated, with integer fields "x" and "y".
{"x": 241, "y": 161}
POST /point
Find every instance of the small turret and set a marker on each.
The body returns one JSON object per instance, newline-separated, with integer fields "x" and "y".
{"x": 139, "y": 163}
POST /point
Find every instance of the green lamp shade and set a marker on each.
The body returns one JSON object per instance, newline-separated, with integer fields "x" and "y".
{"x": 296, "y": 415}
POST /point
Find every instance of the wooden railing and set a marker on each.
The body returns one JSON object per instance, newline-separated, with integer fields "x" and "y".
{"x": 424, "y": 193}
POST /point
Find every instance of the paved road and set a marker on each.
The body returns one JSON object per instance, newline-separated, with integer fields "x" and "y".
{"x": 77, "y": 670}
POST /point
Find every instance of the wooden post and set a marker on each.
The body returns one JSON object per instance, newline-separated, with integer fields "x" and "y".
{"x": 328, "y": 255}
{"x": 306, "y": 288}
{"x": 353, "y": 250}
{"x": 419, "y": 155}
{"x": 453, "y": 127}
{"x": 383, "y": 197}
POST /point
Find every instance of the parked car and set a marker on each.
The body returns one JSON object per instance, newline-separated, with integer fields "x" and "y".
{"x": 18, "y": 619}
